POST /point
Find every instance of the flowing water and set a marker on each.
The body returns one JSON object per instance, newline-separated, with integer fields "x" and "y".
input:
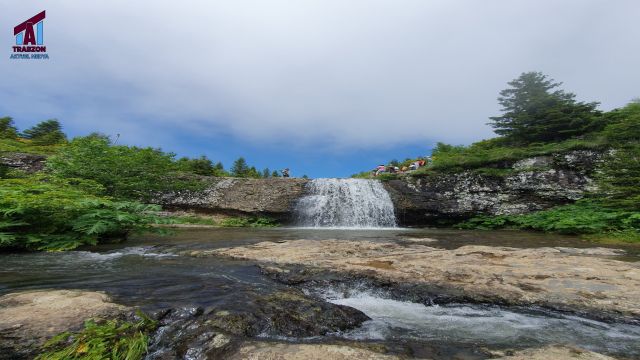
{"x": 345, "y": 203}
{"x": 149, "y": 272}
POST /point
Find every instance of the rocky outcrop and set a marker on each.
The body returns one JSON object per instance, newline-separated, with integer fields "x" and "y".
{"x": 29, "y": 163}
{"x": 28, "y": 319}
{"x": 519, "y": 187}
{"x": 566, "y": 279}
{"x": 273, "y": 197}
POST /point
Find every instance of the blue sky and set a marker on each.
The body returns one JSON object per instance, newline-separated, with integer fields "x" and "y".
{"x": 325, "y": 87}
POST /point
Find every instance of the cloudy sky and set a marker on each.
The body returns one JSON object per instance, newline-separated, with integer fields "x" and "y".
{"x": 326, "y": 87}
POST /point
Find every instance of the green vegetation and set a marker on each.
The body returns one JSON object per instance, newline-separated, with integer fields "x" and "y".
{"x": 45, "y": 213}
{"x": 534, "y": 112}
{"x": 193, "y": 220}
{"x": 124, "y": 171}
{"x": 111, "y": 339}
{"x": 583, "y": 217}
{"x": 249, "y": 222}
{"x": 46, "y": 133}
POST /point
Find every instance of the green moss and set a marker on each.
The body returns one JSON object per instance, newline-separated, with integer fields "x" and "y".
{"x": 111, "y": 339}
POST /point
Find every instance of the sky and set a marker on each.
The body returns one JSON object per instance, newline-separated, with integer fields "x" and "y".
{"x": 327, "y": 88}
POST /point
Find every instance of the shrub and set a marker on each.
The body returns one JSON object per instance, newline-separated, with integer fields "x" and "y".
{"x": 48, "y": 214}
{"x": 123, "y": 171}
{"x": 249, "y": 222}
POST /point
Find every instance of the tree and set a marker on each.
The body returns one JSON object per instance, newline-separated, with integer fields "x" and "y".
{"x": 199, "y": 166}
{"x": 534, "y": 110}
{"x": 266, "y": 173}
{"x": 7, "y": 128}
{"x": 47, "y": 132}
{"x": 240, "y": 168}
{"x": 275, "y": 173}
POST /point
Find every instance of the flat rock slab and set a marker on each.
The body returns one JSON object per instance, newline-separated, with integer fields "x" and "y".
{"x": 279, "y": 351}
{"x": 556, "y": 353}
{"x": 28, "y": 319}
{"x": 564, "y": 278}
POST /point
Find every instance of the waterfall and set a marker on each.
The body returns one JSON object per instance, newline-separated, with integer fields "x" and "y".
{"x": 349, "y": 203}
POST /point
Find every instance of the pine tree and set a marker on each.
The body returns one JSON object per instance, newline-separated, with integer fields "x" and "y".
{"x": 534, "y": 110}
{"x": 7, "y": 128}
{"x": 240, "y": 168}
{"x": 266, "y": 173}
{"x": 46, "y": 133}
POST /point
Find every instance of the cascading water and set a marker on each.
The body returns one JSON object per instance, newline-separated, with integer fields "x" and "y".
{"x": 345, "y": 203}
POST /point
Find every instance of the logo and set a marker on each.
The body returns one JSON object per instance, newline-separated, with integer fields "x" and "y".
{"x": 30, "y": 39}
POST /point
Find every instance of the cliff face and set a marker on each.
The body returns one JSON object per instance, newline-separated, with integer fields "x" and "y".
{"x": 29, "y": 163}
{"x": 532, "y": 184}
{"x": 272, "y": 197}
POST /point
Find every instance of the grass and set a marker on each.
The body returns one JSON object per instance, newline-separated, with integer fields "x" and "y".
{"x": 111, "y": 339}
{"x": 194, "y": 220}
{"x": 249, "y": 222}
{"x": 27, "y": 146}
{"x": 494, "y": 154}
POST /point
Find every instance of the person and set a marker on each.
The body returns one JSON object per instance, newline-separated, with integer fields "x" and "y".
{"x": 285, "y": 172}
{"x": 404, "y": 169}
{"x": 421, "y": 162}
{"x": 380, "y": 170}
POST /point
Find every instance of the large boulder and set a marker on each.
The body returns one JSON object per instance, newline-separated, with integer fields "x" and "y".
{"x": 272, "y": 197}
{"x": 29, "y": 163}
{"x": 28, "y": 319}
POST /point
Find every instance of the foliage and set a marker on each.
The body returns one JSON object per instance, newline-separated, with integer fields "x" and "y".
{"x": 47, "y": 132}
{"x": 241, "y": 169}
{"x": 111, "y": 339}
{"x": 386, "y": 177}
{"x": 123, "y": 171}
{"x": 41, "y": 213}
{"x": 583, "y": 217}
{"x": 494, "y": 153}
{"x": 201, "y": 166}
{"x": 7, "y": 128}
{"x": 534, "y": 111}
{"x": 193, "y": 219}
{"x": 249, "y": 222}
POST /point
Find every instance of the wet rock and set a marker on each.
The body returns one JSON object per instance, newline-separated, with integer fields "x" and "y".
{"x": 28, "y": 319}
{"x": 552, "y": 353}
{"x": 29, "y": 163}
{"x": 281, "y": 351}
{"x": 560, "y": 279}
{"x": 197, "y": 333}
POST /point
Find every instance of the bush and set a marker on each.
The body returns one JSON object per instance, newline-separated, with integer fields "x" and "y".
{"x": 123, "y": 171}
{"x": 46, "y": 133}
{"x": 48, "y": 214}
{"x": 583, "y": 217}
{"x": 249, "y": 222}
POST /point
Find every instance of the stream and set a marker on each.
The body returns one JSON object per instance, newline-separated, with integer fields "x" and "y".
{"x": 147, "y": 272}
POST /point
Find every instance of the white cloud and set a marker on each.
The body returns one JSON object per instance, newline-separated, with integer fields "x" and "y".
{"x": 350, "y": 73}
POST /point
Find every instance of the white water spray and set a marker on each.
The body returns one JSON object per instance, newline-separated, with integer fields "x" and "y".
{"x": 345, "y": 203}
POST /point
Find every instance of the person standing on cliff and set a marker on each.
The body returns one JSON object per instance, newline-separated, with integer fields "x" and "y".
{"x": 285, "y": 172}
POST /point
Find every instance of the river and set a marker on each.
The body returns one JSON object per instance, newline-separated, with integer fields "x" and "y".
{"x": 147, "y": 271}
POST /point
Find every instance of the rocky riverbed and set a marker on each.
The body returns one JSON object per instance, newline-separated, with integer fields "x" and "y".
{"x": 580, "y": 280}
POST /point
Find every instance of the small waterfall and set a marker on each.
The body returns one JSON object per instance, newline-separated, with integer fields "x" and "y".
{"x": 349, "y": 203}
